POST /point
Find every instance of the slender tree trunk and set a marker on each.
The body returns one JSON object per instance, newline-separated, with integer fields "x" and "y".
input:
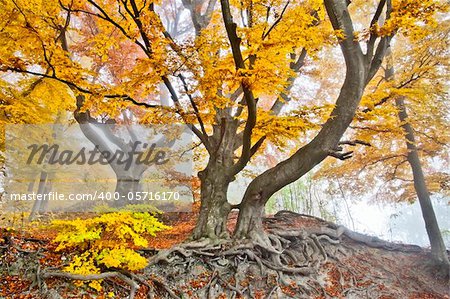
{"x": 347, "y": 207}
{"x": 47, "y": 189}
{"x": 41, "y": 188}
{"x": 438, "y": 250}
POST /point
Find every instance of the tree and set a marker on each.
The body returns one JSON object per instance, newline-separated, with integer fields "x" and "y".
{"x": 438, "y": 250}
{"x": 420, "y": 84}
{"x": 219, "y": 78}
{"x": 27, "y": 105}
{"x": 421, "y": 73}
{"x": 107, "y": 139}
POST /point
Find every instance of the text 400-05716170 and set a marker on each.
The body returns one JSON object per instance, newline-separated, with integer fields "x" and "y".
{"x": 141, "y": 196}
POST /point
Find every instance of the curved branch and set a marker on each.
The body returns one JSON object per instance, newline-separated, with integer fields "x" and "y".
{"x": 307, "y": 157}
{"x": 278, "y": 20}
{"x": 194, "y": 106}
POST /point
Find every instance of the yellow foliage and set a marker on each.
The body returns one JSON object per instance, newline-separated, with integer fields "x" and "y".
{"x": 111, "y": 53}
{"x": 127, "y": 227}
{"x": 122, "y": 258}
{"x": 84, "y": 264}
{"x": 410, "y": 16}
{"x": 421, "y": 72}
{"x": 106, "y": 241}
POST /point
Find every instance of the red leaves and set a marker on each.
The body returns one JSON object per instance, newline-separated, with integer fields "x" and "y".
{"x": 13, "y": 284}
{"x": 179, "y": 232}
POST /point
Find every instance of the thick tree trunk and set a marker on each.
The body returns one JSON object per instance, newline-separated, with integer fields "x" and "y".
{"x": 438, "y": 249}
{"x": 126, "y": 185}
{"x": 251, "y": 213}
{"x": 216, "y": 178}
{"x": 214, "y": 209}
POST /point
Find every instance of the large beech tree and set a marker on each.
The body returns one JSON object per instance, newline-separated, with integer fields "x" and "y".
{"x": 232, "y": 77}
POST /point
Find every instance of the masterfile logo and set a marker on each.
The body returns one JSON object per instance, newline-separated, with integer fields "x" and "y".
{"x": 77, "y": 167}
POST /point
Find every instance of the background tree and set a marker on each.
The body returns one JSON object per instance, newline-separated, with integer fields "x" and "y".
{"x": 419, "y": 87}
{"x": 438, "y": 250}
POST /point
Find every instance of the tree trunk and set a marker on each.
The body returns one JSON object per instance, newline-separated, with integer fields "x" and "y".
{"x": 251, "y": 213}
{"x": 216, "y": 178}
{"x": 214, "y": 209}
{"x": 47, "y": 189}
{"x": 438, "y": 250}
{"x": 126, "y": 188}
{"x": 41, "y": 190}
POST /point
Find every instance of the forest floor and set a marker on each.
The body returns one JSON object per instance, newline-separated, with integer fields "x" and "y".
{"x": 351, "y": 270}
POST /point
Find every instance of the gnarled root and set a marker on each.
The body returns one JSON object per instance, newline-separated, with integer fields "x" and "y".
{"x": 106, "y": 275}
{"x": 281, "y": 252}
{"x": 293, "y": 252}
{"x": 289, "y": 252}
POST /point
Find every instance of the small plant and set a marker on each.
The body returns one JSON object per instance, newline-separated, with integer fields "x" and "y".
{"x": 106, "y": 241}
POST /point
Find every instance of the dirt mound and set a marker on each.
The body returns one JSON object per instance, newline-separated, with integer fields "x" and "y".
{"x": 359, "y": 266}
{"x": 344, "y": 264}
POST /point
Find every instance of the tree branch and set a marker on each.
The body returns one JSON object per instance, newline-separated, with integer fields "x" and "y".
{"x": 180, "y": 111}
{"x": 340, "y": 156}
{"x": 338, "y": 153}
{"x": 147, "y": 50}
{"x": 257, "y": 145}
{"x": 307, "y": 157}
{"x": 278, "y": 20}
{"x": 283, "y": 99}
{"x": 235, "y": 41}
{"x": 380, "y": 53}
{"x": 373, "y": 35}
{"x": 194, "y": 106}
{"x": 354, "y": 142}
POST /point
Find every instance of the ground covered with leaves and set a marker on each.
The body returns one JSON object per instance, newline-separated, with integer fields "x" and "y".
{"x": 348, "y": 265}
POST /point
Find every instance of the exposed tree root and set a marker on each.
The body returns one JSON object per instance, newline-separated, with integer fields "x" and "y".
{"x": 282, "y": 252}
{"x": 292, "y": 252}
{"x": 285, "y": 260}
{"x": 337, "y": 232}
{"x": 106, "y": 275}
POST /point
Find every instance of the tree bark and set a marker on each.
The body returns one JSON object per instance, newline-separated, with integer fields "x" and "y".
{"x": 215, "y": 180}
{"x": 214, "y": 208}
{"x": 128, "y": 179}
{"x": 438, "y": 250}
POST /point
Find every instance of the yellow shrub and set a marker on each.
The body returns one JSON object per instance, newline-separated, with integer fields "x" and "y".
{"x": 122, "y": 258}
{"x": 106, "y": 241}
